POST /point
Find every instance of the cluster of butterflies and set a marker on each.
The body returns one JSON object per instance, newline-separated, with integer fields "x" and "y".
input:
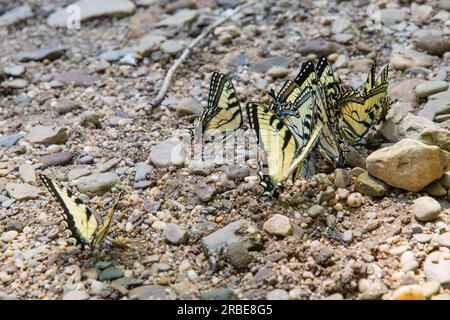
{"x": 314, "y": 114}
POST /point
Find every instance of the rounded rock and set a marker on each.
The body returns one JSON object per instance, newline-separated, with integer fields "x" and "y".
{"x": 426, "y": 209}
{"x": 278, "y": 225}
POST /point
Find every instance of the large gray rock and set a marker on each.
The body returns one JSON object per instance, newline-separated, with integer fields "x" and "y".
{"x": 10, "y": 140}
{"x": 430, "y": 87}
{"x": 409, "y": 164}
{"x": 432, "y": 41}
{"x": 437, "y": 268}
{"x": 142, "y": 170}
{"x": 175, "y": 234}
{"x": 49, "y": 53}
{"x": 390, "y": 127}
{"x": 319, "y": 47}
{"x": 90, "y": 9}
{"x": 47, "y": 135}
{"x": 167, "y": 153}
{"x": 23, "y": 191}
{"x": 149, "y": 44}
{"x": 426, "y": 131}
{"x": 15, "y": 15}
{"x": 220, "y": 238}
{"x": 391, "y": 16}
{"x": 98, "y": 184}
{"x": 180, "y": 19}
{"x": 151, "y": 292}
{"x": 403, "y": 58}
{"x": 437, "y": 104}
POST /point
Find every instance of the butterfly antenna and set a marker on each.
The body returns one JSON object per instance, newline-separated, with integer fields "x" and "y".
{"x": 272, "y": 94}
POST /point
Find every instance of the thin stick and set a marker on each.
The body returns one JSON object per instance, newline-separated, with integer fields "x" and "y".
{"x": 168, "y": 79}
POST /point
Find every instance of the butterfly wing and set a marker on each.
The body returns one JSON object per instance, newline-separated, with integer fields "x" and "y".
{"x": 223, "y": 115}
{"x": 80, "y": 224}
{"x": 285, "y": 154}
{"x": 102, "y": 231}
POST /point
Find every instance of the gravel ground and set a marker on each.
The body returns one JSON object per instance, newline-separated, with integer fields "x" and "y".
{"x": 75, "y": 104}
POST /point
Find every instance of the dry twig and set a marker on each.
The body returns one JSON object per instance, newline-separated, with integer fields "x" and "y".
{"x": 168, "y": 79}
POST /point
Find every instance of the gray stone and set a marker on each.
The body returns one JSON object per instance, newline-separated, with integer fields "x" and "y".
{"x": 354, "y": 159}
{"x": 436, "y": 189}
{"x": 205, "y": 190}
{"x": 107, "y": 166}
{"x": 175, "y": 234}
{"x": 10, "y": 140}
{"x": 430, "y": 87}
{"x": 316, "y": 211}
{"x": 15, "y": 84}
{"x": 102, "y": 265}
{"x": 75, "y": 78}
{"x": 57, "y": 159}
{"x": 167, "y": 153}
{"x": 277, "y": 294}
{"x": 49, "y": 53}
{"x": 318, "y": 47}
{"x": 404, "y": 58}
{"x": 278, "y": 225}
{"x": 322, "y": 255}
{"x": 434, "y": 108}
{"x": 76, "y": 295}
{"x": 437, "y": 268}
{"x": 15, "y": 16}
{"x": 342, "y": 178}
{"x": 27, "y": 173}
{"x": 347, "y": 236}
{"x": 263, "y": 65}
{"x": 220, "y": 238}
{"x": 142, "y": 171}
{"x": 143, "y": 184}
{"x": 22, "y": 191}
{"x": 98, "y": 184}
{"x": 188, "y": 107}
{"x": 180, "y": 19}
{"x": 171, "y": 47}
{"x": 445, "y": 180}
{"x": 426, "y": 209}
{"x": 151, "y": 292}
{"x": 78, "y": 172}
{"x": 238, "y": 171}
{"x": 91, "y": 10}
{"x": 149, "y": 44}
{"x": 218, "y": 294}
{"x": 14, "y": 71}
{"x": 128, "y": 282}
{"x": 277, "y": 72}
{"x": 327, "y": 195}
{"x": 9, "y": 236}
{"x": 340, "y": 24}
{"x": 110, "y": 273}
{"x": 47, "y": 135}
{"x": 391, "y": 16}
{"x": 432, "y": 41}
{"x": 368, "y": 185}
{"x": 64, "y": 105}
{"x": 238, "y": 255}
{"x": 422, "y": 129}
{"x": 422, "y": 237}
{"x": 443, "y": 239}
